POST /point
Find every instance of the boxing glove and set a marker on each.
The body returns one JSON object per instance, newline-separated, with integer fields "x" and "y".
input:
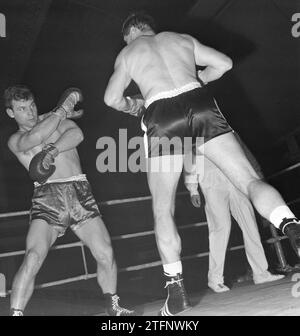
{"x": 42, "y": 166}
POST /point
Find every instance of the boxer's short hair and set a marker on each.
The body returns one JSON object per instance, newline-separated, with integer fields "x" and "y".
{"x": 16, "y": 92}
{"x": 139, "y": 20}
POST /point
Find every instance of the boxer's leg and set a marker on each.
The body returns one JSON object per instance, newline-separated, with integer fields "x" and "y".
{"x": 95, "y": 236}
{"x": 243, "y": 213}
{"x": 227, "y": 154}
{"x": 163, "y": 185}
{"x": 40, "y": 238}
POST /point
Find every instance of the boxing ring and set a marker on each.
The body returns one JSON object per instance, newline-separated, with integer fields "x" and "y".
{"x": 246, "y": 299}
{"x": 86, "y": 274}
{"x": 205, "y": 302}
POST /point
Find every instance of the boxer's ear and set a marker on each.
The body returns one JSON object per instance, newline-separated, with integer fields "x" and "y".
{"x": 133, "y": 30}
{"x": 10, "y": 113}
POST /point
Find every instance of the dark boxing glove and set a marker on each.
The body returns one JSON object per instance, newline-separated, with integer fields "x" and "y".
{"x": 135, "y": 106}
{"x": 42, "y": 165}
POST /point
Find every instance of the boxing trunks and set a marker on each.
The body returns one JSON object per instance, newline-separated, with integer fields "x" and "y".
{"x": 64, "y": 202}
{"x": 179, "y": 117}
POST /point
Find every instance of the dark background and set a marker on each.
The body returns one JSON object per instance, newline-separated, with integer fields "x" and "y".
{"x": 55, "y": 44}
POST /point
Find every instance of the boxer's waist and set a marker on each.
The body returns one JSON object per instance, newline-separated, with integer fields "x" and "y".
{"x": 172, "y": 93}
{"x": 75, "y": 178}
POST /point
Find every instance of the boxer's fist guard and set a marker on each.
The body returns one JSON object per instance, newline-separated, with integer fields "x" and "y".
{"x": 135, "y": 105}
{"x": 42, "y": 164}
{"x": 67, "y": 102}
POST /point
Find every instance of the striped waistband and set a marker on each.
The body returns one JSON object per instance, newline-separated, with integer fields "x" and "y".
{"x": 172, "y": 93}
{"x": 80, "y": 177}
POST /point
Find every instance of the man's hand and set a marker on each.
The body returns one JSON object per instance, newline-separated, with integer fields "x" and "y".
{"x": 135, "y": 106}
{"x": 196, "y": 201}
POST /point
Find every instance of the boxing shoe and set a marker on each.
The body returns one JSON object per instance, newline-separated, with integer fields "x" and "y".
{"x": 177, "y": 301}
{"x": 291, "y": 228}
{"x": 113, "y": 308}
{"x": 16, "y": 312}
{"x": 266, "y": 277}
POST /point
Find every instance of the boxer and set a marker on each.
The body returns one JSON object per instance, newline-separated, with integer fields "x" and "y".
{"x": 46, "y": 146}
{"x": 179, "y": 105}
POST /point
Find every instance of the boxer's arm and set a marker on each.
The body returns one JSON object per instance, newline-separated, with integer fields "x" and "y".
{"x": 117, "y": 84}
{"x": 22, "y": 142}
{"x": 74, "y": 114}
{"x": 216, "y": 62}
{"x": 45, "y": 115}
{"x": 71, "y": 136}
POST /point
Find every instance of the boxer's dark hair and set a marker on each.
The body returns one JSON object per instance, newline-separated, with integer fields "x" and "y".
{"x": 16, "y": 92}
{"x": 139, "y": 20}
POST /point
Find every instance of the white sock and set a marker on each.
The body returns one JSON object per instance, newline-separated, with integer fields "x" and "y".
{"x": 279, "y": 213}
{"x": 173, "y": 269}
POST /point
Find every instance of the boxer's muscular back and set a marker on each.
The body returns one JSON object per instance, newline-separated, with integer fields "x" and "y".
{"x": 161, "y": 62}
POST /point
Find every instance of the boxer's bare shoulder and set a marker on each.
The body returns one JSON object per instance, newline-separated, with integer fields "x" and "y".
{"x": 14, "y": 140}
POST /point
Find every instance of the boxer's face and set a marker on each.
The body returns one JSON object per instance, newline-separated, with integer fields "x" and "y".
{"x": 24, "y": 112}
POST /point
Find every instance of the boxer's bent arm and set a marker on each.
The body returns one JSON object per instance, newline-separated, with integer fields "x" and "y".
{"x": 118, "y": 82}
{"x": 36, "y": 136}
{"x": 45, "y": 115}
{"x": 71, "y": 136}
{"x": 216, "y": 62}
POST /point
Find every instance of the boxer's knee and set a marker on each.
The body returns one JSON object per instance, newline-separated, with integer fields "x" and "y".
{"x": 163, "y": 208}
{"x": 247, "y": 182}
{"x": 103, "y": 254}
{"x": 33, "y": 260}
{"x": 253, "y": 187}
{"x": 162, "y": 214}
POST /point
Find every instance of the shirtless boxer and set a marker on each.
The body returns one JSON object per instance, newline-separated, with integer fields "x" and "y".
{"x": 178, "y": 105}
{"x": 46, "y": 146}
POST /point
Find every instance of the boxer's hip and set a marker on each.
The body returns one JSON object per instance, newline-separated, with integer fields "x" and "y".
{"x": 189, "y": 114}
